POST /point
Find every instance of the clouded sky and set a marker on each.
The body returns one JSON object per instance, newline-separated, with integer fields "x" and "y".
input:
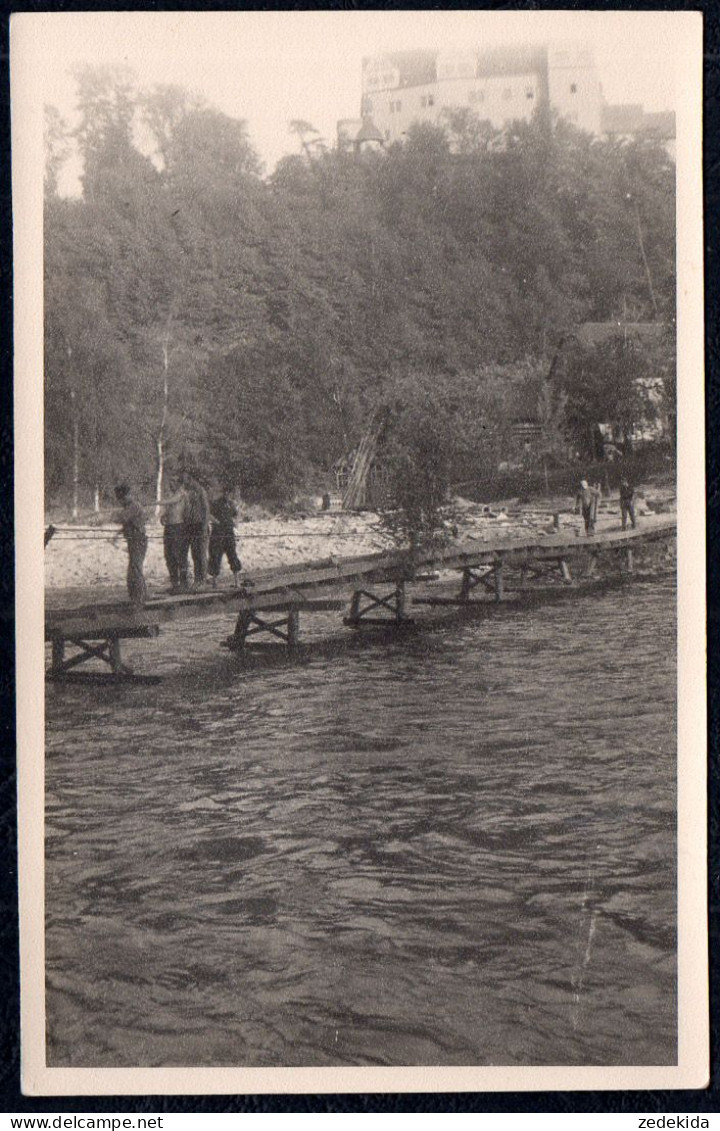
{"x": 270, "y": 67}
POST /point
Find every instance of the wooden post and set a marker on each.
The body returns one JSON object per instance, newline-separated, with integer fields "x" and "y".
{"x": 592, "y": 566}
{"x": 499, "y": 589}
{"x": 629, "y": 559}
{"x": 293, "y": 629}
{"x": 466, "y": 586}
{"x": 400, "y": 601}
{"x": 556, "y": 521}
{"x": 58, "y": 653}
{"x": 115, "y": 651}
{"x": 241, "y": 627}
{"x": 565, "y": 570}
{"x": 354, "y": 608}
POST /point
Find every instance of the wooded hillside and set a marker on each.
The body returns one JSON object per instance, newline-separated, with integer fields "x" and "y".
{"x": 196, "y": 310}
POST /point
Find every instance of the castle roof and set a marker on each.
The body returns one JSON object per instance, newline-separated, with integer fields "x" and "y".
{"x": 368, "y": 132}
{"x": 511, "y": 60}
{"x": 623, "y": 118}
{"x": 419, "y": 68}
{"x": 415, "y": 67}
{"x": 659, "y": 122}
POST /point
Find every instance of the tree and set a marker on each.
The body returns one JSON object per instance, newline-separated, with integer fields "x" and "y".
{"x": 419, "y": 450}
{"x": 57, "y": 146}
{"x": 607, "y": 383}
{"x": 255, "y": 421}
{"x": 163, "y": 108}
{"x": 308, "y": 137}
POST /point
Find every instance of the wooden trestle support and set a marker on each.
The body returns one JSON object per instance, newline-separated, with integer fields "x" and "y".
{"x": 489, "y": 576}
{"x": 366, "y": 601}
{"x": 105, "y": 646}
{"x": 280, "y": 621}
{"x": 585, "y": 558}
{"x": 544, "y": 567}
{"x": 284, "y": 626}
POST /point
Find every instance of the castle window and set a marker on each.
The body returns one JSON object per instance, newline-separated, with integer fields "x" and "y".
{"x": 431, "y": 99}
{"x": 573, "y": 88}
{"x": 529, "y": 93}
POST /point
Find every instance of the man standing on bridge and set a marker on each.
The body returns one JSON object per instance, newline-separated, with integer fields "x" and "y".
{"x": 131, "y": 518}
{"x": 175, "y": 545}
{"x": 587, "y": 501}
{"x": 197, "y": 526}
{"x": 627, "y": 502}
{"x": 222, "y": 535}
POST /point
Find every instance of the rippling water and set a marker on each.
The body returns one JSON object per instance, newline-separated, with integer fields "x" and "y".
{"x": 452, "y": 847}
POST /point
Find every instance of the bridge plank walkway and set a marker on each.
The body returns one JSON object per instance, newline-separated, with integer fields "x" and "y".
{"x": 290, "y": 590}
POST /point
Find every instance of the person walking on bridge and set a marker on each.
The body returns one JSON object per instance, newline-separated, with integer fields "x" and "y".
{"x": 223, "y": 512}
{"x": 131, "y": 519}
{"x": 587, "y": 502}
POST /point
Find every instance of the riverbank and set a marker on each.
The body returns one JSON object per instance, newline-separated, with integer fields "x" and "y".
{"x": 81, "y": 557}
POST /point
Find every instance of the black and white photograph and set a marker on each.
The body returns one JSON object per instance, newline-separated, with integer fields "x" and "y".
{"x": 361, "y": 672}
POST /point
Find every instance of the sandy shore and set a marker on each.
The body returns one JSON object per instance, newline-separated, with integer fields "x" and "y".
{"x": 77, "y": 558}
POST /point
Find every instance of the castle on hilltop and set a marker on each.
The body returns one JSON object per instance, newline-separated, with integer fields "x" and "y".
{"x": 501, "y": 85}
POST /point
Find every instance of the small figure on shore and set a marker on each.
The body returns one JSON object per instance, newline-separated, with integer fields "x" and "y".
{"x": 197, "y": 527}
{"x": 131, "y": 518}
{"x": 586, "y": 502}
{"x": 223, "y": 512}
{"x": 175, "y": 543}
{"x": 627, "y": 503}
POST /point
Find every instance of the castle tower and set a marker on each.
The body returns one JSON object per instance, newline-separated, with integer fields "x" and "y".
{"x": 574, "y": 89}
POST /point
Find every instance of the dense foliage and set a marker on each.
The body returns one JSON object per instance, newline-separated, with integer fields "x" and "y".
{"x": 197, "y": 311}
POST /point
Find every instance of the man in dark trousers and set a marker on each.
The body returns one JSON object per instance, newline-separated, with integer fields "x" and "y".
{"x": 197, "y": 526}
{"x": 223, "y": 512}
{"x": 175, "y": 544}
{"x": 627, "y": 502}
{"x": 131, "y": 518}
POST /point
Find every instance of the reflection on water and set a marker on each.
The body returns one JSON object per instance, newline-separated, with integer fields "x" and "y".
{"x": 457, "y": 847}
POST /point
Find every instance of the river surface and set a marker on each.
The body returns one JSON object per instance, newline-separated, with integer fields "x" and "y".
{"x": 449, "y": 847}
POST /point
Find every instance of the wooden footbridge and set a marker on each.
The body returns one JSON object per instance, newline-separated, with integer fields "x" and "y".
{"x": 271, "y": 601}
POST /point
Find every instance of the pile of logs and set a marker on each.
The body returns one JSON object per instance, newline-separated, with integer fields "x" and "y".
{"x": 357, "y": 481}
